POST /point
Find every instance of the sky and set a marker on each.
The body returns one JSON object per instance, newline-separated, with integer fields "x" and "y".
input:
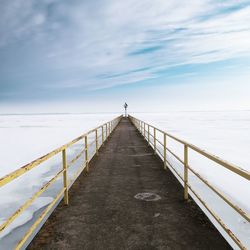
{"x": 93, "y": 55}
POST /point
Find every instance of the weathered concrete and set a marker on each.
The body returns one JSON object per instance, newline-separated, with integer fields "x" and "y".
{"x": 103, "y": 213}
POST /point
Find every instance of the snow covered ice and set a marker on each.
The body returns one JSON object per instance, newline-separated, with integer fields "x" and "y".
{"x": 27, "y": 137}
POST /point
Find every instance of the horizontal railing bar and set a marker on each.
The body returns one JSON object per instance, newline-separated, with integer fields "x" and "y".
{"x": 77, "y": 157}
{"x": 94, "y": 129}
{"x": 103, "y": 125}
{"x": 153, "y": 127}
{"x": 15, "y": 174}
{"x": 176, "y": 156}
{"x": 74, "y": 141}
{"x": 242, "y": 172}
{"x": 179, "y": 159}
{"x": 159, "y": 142}
{"x": 217, "y": 218}
{"x": 30, "y": 201}
{"x": 78, "y": 172}
{"x": 91, "y": 143}
{"x": 236, "y": 208}
{"x": 156, "y": 140}
{"x": 151, "y": 143}
{"x": 159, "y": 152}
{"x": 40, "y": 218}
{"x": 163, "y": 132}
{"x": 175, "y": 170}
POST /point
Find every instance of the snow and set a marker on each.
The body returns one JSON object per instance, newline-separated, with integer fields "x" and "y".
{"x": 27, "y": 137}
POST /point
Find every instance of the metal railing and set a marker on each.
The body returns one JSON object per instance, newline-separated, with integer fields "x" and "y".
{"x": 144, "y": 129}
{"x": 100, "y": 133}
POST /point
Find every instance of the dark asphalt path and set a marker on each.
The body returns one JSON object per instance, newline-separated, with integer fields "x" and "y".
{"x": 103, "y": 213}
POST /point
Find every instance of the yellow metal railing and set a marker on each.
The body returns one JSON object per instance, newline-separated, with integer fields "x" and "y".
{"x": 107, "y": 127}
{"x": 144, "y": 129}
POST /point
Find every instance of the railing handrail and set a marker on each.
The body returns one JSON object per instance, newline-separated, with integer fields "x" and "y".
{"x": 242, "y": 172}
{"x": 109, "y": 127}
{"x": 141, "y": 126}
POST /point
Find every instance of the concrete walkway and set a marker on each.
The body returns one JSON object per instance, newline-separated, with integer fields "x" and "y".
{"x": 103, "y": 213}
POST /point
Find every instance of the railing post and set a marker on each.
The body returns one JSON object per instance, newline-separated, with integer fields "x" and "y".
{"x": 65, "y": 181}
{"x": 102, "y": 136}
{"x": 155, "y": 140}
{"x": 185, "y": 172}
{"x": 144, "y": 130}
{"x": 165, "y": 151}
{"x": 86, "y": 154}
{"x": 148, "y": 136}
{"x": 106, "y": 125}
{"x": 96, "y": 141}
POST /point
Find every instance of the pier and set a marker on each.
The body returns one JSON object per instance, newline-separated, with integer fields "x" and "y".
{"x": 124, "y": 194}
{"x": 103, "y": 212}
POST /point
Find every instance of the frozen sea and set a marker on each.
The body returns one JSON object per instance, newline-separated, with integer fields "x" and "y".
{"x": 223, "y": 133}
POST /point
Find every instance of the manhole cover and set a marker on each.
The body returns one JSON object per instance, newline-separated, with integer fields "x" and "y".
{"x": 147, "y": 196}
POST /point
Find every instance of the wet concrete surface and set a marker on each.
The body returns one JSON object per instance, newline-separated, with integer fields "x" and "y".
{"x": 104, "y": 214}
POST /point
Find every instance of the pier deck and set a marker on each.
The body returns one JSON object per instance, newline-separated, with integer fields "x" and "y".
{"x": 104, "y": 214}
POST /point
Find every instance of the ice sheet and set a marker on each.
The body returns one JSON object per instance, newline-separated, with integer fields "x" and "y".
{"x": 27, "y": 137}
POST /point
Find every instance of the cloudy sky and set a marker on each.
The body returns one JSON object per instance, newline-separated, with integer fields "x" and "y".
{"x": 92, "y": 55}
